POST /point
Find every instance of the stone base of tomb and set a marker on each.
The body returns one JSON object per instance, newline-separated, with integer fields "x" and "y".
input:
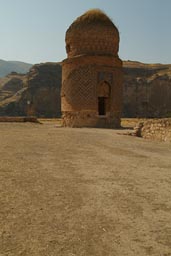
{"x": 90, "y": 119}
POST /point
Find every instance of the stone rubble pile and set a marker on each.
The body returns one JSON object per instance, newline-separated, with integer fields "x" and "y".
{"x": 156, "y": 129}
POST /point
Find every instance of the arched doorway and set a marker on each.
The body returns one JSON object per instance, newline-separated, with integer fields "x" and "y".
{"x": 104, "y": 91}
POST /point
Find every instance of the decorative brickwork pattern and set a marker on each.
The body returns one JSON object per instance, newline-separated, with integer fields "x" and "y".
{"x": 93, "y": 40}
{"x": 79, "y": 88}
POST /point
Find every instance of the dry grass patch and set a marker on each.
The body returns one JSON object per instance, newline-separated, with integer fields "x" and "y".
{"x": 92, "y": 16}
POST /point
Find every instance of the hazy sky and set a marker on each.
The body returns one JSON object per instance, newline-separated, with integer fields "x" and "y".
{"x": 34, "y": 30}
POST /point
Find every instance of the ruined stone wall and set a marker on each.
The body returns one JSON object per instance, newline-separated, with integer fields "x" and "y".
{"x": 18, "y": 119}
{"x": 157, "y": 129}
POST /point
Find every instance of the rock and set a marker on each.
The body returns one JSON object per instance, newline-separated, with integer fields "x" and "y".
{"x": 152, "y": 129}
{"x": 147, "y": 90}
{"x": 10, "y": 85}
{"x": 40, "y": 96}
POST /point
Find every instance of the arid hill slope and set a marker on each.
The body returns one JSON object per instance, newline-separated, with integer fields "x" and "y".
{"x": 11, "y": 84}
{"x": 147, "y": 90}
{"x": 39, "y": 93}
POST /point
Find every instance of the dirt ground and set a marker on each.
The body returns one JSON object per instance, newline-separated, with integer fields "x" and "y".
{"x": 83, "y": 192}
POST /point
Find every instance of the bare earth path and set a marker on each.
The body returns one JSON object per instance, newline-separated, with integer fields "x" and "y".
{"x": 82, "y": 192}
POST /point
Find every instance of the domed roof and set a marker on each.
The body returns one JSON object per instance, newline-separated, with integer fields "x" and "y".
{"x": 92, "y": 17}
{"x": 92, "y": 33}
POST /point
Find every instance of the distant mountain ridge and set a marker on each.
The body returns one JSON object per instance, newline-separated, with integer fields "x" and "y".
{"x": 7, "y": 67}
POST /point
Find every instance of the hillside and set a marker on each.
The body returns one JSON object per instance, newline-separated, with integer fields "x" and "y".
{"x": 147, "y": 69}
{"x": 11, "y": 84}
{"x": 7, "y": 67}
{"x": 146, "y": 90}
{"x": 38, "y": 92}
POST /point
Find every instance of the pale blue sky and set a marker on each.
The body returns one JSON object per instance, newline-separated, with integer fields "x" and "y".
{"x": 34, "y": 30}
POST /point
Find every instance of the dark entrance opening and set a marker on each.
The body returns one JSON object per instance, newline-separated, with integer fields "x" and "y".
{"x": 101, "y": 106}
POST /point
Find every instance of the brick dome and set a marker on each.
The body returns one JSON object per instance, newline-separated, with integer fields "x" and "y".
{"x": 93, "y": 33}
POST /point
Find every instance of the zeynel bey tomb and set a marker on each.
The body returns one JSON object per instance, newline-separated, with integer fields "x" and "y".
{"x": 91, "y": 93}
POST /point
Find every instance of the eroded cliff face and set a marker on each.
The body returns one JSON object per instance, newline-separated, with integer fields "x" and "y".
{"x": 40, "y": 96}
{"x": 147, "y": 91}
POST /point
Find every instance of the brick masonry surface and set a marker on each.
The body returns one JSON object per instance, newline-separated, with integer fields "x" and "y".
{"x": 92, "y": 61}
